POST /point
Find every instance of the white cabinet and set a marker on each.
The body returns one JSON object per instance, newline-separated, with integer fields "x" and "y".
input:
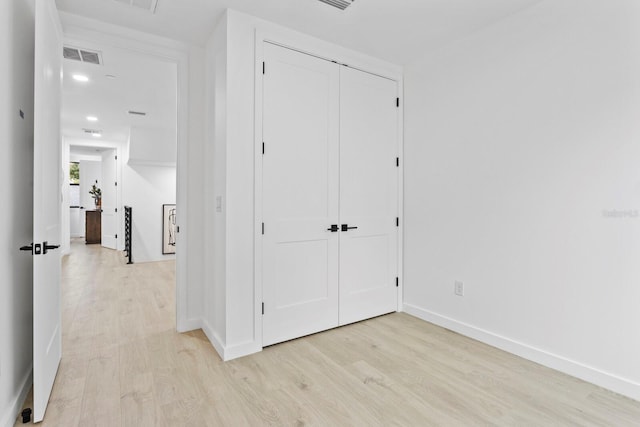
{"x": 329, "y": 195}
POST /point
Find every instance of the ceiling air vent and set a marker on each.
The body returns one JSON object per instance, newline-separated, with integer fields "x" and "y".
{"x": 148, "y": 5}
{"x": 92, "y": 131}
{"x": 137, "y": 113}
{"x": 340, "y": 4}
{"x": 71, "y": 53}
{"x": 82, "y": 55}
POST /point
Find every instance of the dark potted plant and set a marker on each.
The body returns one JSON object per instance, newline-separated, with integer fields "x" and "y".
{"x": 96, "y": 193}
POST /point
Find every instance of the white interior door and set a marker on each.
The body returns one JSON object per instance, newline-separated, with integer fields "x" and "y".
{"x": 47, "y": 190}
{"x": 109, "y": 199}
{"x": 300, "y": 194}
{"x": 368, "y": 195}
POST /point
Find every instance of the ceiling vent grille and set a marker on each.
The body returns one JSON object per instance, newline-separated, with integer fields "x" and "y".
{"x": 92, "y": 131}
{"x": 137, "y": 113}
{"x": 148, "y": 5}
{"x": 340, "y": 4}
{"x": 82, "y": 55}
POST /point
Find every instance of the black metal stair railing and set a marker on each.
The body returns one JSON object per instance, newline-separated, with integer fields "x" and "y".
{"x": 128, "y": 224}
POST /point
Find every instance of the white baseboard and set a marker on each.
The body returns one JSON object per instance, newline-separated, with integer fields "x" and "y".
{"x": 241, "y": 350}
{"x": 229, "y": 352}
{"x": 214, "y": 339}
{"x": 189, "y": 325}
{"x": 11, "y": 413}
{"x": 576, "y": 369}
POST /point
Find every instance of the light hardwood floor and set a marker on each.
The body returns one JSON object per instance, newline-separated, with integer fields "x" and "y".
{"x": 123, "y": 364}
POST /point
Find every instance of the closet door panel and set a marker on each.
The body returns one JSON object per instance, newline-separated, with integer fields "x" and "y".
{"x": 300, "y": 194}
{"x": 368, "y": 195}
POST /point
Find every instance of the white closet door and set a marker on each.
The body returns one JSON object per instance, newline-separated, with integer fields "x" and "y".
{"x": 368, "y": 195}
{"x": 300, "y": 194}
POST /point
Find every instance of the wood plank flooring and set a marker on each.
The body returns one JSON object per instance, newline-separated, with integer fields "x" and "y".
{"x": 124, "y": 365}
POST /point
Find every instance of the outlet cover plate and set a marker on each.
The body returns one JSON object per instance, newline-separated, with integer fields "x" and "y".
{"x": 458, "y": 288}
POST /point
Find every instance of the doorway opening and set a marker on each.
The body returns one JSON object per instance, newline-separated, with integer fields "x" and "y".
{"x": 119, "y": 127}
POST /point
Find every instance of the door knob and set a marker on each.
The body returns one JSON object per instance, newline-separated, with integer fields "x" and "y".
{"x": 47, "y": 247}
{"x": 333, "y": 229}
{"x": 345, "y": 227}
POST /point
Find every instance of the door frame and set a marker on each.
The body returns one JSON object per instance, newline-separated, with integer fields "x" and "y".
{"x": 79, "y": 29}
{"x": 66, "y": 149}
{"x": 330, "y": 52}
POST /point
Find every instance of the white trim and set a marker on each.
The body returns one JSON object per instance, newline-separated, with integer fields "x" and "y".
{"x": 232, "y": 352}
{"x": 192, "y": 324}
{"x": 571, "y": 367}
{"x": 119, "y": 149}
{"x": 12, "y": 412}
{"x": 77, "y": 27}
{"x": 312, "y": 46}
{"x": 400, "y": 241}
{"x": 214, "y": 339}
{"x": 242, "y": 349}
{"x": 257, "y": 196}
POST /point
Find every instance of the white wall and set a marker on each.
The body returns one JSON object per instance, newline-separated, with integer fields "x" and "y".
{"x": 146, "y": 188}
{"x": 195, "y": 176}
{"x": 522, "y": 179}
{"x": 74, "y": 157}
{"x": 16, "y": 173}
{"x": 214, "y": 318}
{"x": 152, "y": 146}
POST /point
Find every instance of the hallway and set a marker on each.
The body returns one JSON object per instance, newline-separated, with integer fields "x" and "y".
{"x": 124, "y": 364}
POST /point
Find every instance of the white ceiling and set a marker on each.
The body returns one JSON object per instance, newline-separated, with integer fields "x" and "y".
{"x": 395, "y": 30}
{"x": 141, "y": 83}
{"x": 400, "y": 31}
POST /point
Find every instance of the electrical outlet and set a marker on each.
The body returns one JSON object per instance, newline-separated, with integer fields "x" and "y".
{"x": 458, "y": 288}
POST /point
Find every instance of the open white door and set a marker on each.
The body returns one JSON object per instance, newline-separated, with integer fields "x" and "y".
{"x": 109, "y": 199}
{"x": 47, "y": 197}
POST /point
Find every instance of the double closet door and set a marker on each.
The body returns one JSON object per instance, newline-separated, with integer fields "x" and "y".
{"x": 329, "y": 195}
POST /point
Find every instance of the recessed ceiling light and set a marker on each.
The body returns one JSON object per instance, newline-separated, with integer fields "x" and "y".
{"x": 80, "y": 78}
{"x": 97, "y": 135}
{"x": 92, "y": 118}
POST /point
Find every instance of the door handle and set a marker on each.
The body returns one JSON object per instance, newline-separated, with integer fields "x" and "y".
{"x": 28, "y": 248}
{"x": 345, "y": 227}
{"x": 333, "y": 229}
{"x": 47, "y": 247}
{"x": 34, "y": 249}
